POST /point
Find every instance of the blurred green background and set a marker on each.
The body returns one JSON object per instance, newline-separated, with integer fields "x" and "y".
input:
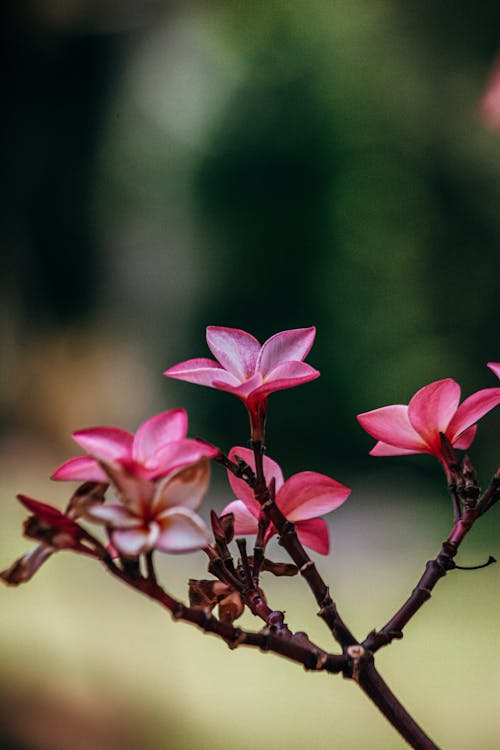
{"x": 265, "y": 165}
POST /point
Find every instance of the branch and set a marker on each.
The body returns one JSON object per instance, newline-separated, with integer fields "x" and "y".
{"x": 289, "y": 540}
{"x": 295, "y": 647}
{"x": 371, "y": 683}
{"x": 435, "y": 569}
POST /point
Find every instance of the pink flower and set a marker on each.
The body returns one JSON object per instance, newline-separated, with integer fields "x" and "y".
{"x": 434, "y": 409}
{"x": 495, "y": 367}
{"x": 158, "y": 447}
{"x": 301, "y": 498}
{"x": 156, "y": 516}
{"x": 246, "y": 368}
{"x": 490, "y": 102}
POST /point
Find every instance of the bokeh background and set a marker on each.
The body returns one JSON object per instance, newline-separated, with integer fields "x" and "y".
{"x": 265, "y": 165}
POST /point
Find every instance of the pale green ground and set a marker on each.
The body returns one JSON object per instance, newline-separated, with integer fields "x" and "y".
{"x": 90, "y": 665}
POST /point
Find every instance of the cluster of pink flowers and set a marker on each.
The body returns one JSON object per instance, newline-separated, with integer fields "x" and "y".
{"x": 160, "y": 476}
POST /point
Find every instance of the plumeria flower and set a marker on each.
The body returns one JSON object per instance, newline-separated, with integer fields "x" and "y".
{"x": 301, "y": 499}
{"x": 155, "y": 515}
{"x": 434, "y": 409}
{"x": 158, "y": 447}
{"x": 495, "y": 367}
{"x": 246, "y": 368}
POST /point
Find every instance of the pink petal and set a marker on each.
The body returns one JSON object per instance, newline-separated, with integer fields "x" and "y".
{"x": 236, "y": 350}
{"x": 202, "y": 372}
{"x": 287, "y": 346}
{"x": 175, "y": 455}
{"x": 134, "y": 491}
{"x": 108, "y": 443}
{"x": 186, "y": 487}
{"x": 495, "y": 367}
{"x": 465, "y": 440}
{"x": 390, "y": 424}
{"x": 286, "y": 375}
{"x": 472, "y": 409}
{"x": 242, "y": 390}
{"x": 314, "y": 535}
{"x": 384, "y": 449}
{"x": 50, "y": 515}
{"x": 245, "y": 518}
{"x": 112, "y": 515}
{"x": 81, "y": 469}
{"x": 240, "y": 487}
{"x": 163, "y": 428}
{"x": 133, "y": 542}
{"x": 431, "y": 409}
{"x": 181, "y": 530}
{"x": 308, "y": 494}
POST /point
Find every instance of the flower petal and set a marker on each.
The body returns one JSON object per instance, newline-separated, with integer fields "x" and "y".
{"x": 245, "y": 518}
{"x": 133, "y": 542}
{"x": 464, "y": 441}
{"x": 431, "y": 409}
{"x": 236, "y": 350}
{"x": 108, "y": 443}
{"x": 390, "y": 424}
{"x": 242, "y": 390}
{"x": 134, "y": 491}
{"x": 116, "y": 516}
{"x": 495, "y": 367}
{"x": 163, "y": 428}
{"x": 186, "y": 487}
{"x": 25, "y": 567}
{"x": 472, "y": 409}
{"x": 309, "y": 494}
{"x": 50, "y": 515}
{"x": 286, "y": 346}
{"x": 202, "y": 372}
{"x": 314, "y": 534}
{"x": 173, "y": 456}
{"x": 286, "y": 375}
{"x": 240, "y": 487}
{"x": 181, "y": 530}
{"x": 81, "y": 469}
{"x": 384, "y": 449}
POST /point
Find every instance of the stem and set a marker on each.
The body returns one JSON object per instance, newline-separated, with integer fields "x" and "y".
{"x": 294, "y": 647}
{"x": 372, "y": 684}
{"x": 289, "y": 540}
{"x": 434, "y": 570}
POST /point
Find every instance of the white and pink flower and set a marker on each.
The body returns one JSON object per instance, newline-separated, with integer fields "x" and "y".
{"x": 301, "y": 499}
{"x": 157, "y": 515}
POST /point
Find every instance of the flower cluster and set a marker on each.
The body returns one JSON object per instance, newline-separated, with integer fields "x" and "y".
{"x": 160, "y": 476}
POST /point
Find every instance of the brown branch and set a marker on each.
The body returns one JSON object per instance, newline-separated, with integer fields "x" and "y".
{"x": 295, "y": 646}
{"x": 372, "y": 684}
{"x": 289, "y": 540}
{"x": 434, "y": 570}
